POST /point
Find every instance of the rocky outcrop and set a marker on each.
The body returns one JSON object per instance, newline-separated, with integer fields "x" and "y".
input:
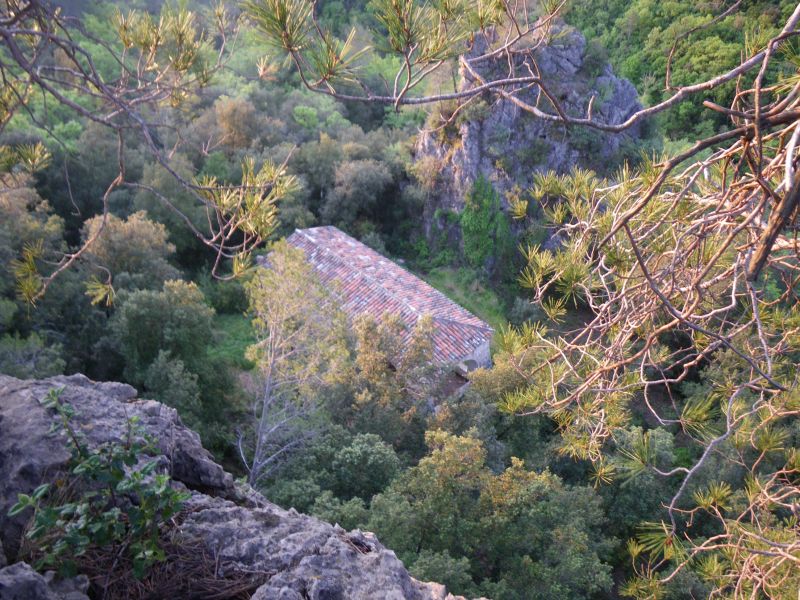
{"x": 297, "y": 556}
{"x": 507, "y": 144}
{"x": 309, "y": 558}
{"x": 30, "y": 454}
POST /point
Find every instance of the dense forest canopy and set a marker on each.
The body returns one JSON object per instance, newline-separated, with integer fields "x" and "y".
{"x": 637, "y": 435}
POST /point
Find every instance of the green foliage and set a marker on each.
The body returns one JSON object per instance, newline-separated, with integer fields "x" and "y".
{"x": 336, "y": 474}
{"x": 386, "y": 387}
{"x": 300, "y": 350}
{"x": 307, "y": 117}
{"x": 237, "y": 121}
{"x": 364, "y": 467}
{"x": 443, "y": 568}
{"x": 484, "y": 226}
{"x": 31, "y": 357}
{"x": 114, "y": 501}
{"x": 524, "y": 535}
{"x": 232, "y": 335}
{"x": 349, "y": 514}
{"x": 359, "y": 187}
{"x": 226, "y": 296}
{"x": 164, "y": 338}
{"x": 29, "y": 235}
{"x": 134, "y": 250}
{"x": 160, "y": 183}
{"x": 638, "y": 37}
{"x": 168, "y": 381}
{"x": 175, "y": 319}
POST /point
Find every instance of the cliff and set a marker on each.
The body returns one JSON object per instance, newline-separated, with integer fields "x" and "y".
{"x": 508, "y": 145}
{"x": 252, "y": 547}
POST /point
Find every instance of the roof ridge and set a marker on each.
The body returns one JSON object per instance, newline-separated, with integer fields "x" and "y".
{"x": 449, "y": 320}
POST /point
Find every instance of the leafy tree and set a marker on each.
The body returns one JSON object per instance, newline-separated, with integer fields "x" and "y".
{"x": 307, "y": 117}
{"x": 30, "y": 357}
{"x": 707, "y": 39}
{"x": 175, "y": 320}
{"x": 158, "y": 184}
{"x": 163, "y": 338}
{"x": 75, "y": 182}
{"x": 134, "y": 251}
{"x": 237, "y": 120}
{"x": 26, "y": 224}
{"x": 317, "y": 162}
{"x": 524, "y": 534}
{"x": 389, "y": 386}
{"x": 544, "y": 536}
{"x": 443, "y": 568}
{"x": 174, "y": 56}
{"x": 349, "y": 514}
{"x": 167, "y": 380}
{"x": 364, "y": 467}
{"x": 359, "y": 186}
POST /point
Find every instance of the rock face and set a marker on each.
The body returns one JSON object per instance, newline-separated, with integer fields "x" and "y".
{"x": 508, "y": 145}
{"x": 309, "y": 558}
{"x": 300, "y": 556}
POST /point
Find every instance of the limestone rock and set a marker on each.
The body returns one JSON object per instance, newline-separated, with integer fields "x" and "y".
{"x": 21, "y": 582}
{"x": 31, "y": 455}
{"x": 309, "y": 558}
{"x": 299, "y": 556}
{"x": 509, "y": 145}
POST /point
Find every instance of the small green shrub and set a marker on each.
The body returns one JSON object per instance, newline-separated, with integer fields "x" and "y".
{"x": 421, "y": 250}
{"x": 444, "y": 258}
{"x": 484, "y": 226}
{"x": 307, "y": 117}
{"x": 224, "y": 296}
{"x": 533, "y": 153}
{"x": 114, "y": 502}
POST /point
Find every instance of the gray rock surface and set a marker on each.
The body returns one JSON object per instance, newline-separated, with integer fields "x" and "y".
{"x": 30, "y": 454}
{"x": 509, "y": 145}
{"x": 309, "y": 558}
{"x": 21, "y": 582}
{"x": 300, "y": 556}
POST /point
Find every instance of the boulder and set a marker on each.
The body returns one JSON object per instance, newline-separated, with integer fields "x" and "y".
{"x": 296, "y": 555}
{"x": 21, "y": 582}
{"x": 307, "y": 557}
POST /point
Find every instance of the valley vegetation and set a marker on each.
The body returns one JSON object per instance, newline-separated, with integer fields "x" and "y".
{"x": 638, "y": 433}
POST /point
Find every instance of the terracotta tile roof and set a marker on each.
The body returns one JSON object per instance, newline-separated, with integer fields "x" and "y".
{"x": 369, "y": 283}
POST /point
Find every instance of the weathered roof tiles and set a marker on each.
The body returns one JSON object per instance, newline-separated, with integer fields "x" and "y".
{"x": 369, "y": 283}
